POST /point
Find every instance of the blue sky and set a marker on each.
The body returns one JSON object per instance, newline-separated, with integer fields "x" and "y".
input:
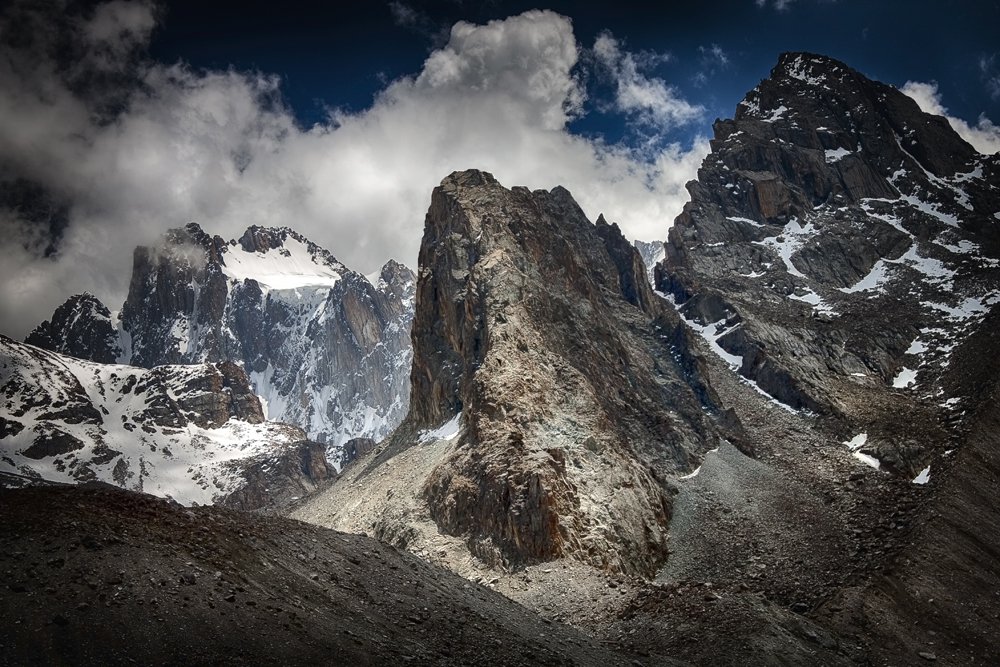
{"x": 717, "y": 51}
{"x": 121, "y": 119}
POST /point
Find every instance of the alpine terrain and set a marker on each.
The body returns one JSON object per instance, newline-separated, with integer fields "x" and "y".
{"x": 770, "y": 438}
{"x": 326, "y": 348}
{"x": 193, "y": 433}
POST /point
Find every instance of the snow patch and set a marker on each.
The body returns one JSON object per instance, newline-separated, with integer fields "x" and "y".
{"x": 923, "y": 477}
{"x": 872, "y": 281}
{"x": 835, "y": 154}
{"x": 748, "y": 221}
{"x": 798, "y": 69}
{"x": 867, "y": 460}
{"x": 446, "y": 431}
{"x": 775, "y": 114}
{"x": 293, "y": 265}
{"x": 788, "y": 242}
{"x": 905, "y": 378}
{"x": 857, "y": 442}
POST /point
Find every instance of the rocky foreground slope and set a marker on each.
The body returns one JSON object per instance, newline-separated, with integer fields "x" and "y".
{"x": 326, "y": 348}
{"x": 193, "y": 433}
{"x": 119, "y": 578}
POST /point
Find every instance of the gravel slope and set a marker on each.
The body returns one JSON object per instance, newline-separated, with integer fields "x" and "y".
{"x": 99, "y": 576}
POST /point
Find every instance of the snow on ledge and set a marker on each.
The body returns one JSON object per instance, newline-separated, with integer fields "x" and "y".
{"x": 923, "y": 477}
{"x": 446, "y": 431}
{"x": 775, "y": 114}
{"x": 867, "y": 460}
{"x": 835, "y": 154}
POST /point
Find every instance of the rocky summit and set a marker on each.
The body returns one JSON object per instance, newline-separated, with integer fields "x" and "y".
{"x": 326, "y": 348}
{"x": 82, "y": 327}
{"x": 784, "y": 450}
{"x": 555, "y": 398}
{"x": 838, "y": 246}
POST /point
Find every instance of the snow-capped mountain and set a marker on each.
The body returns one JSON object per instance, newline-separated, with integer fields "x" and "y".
{"x": 81, "y": 327}
{"x": 195, "y": 433}
{"x": 326, "y": 348}
{"x": 839, "y": 245}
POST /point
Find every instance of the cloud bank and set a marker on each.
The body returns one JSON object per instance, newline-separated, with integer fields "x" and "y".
{"x": 105, "y": 150}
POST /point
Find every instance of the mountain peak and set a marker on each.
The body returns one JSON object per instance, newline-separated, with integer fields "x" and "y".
{"x": 261, "y": 239}
{"x": 468, "y": 178}
{"x": 541, "y": 361}
{"x": 825, "y": 189}
{"x": 81, "y": 327}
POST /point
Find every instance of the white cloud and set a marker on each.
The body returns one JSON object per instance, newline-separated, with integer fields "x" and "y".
{"x": 984, "y": 136}
{"x": 713, "y": 58}
{"x": 714, "y": 55}
{"x": 650, "y": 100}
{"x": 780, "y": 5}
{"x": 219, "y": 148}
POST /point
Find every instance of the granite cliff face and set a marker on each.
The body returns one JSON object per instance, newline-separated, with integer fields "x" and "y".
{"x": 195, "y": 433}
{"x": 560, "y": 394}
{"x": 325, "y": 348}
{"x": 838, "y": 245}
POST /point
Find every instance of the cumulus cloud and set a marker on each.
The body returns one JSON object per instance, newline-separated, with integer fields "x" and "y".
{"x": 984, "y": 136}
{"x": 220, "y": 148}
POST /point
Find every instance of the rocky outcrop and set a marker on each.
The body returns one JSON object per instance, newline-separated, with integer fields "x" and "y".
{"x": 273, "y": 482}
{"x": 194, "y": 433}
{"x": 325, "y": 348}
{"x": 559, "y": 390}
{"x": 355, "y": 448}
{"x": 837, "y": 240}
{"x": 81, "y": 327}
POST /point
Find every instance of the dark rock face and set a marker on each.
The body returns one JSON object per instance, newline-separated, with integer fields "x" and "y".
{"x": 571, "y": 378}
{"x": 81, "y": 327}
{"x": 275, "y": 481}
{"x": 195, "y": 433}
{"x": 176, "y": 299}
{"x": 355, "y": 448}
{"x": 837, "y": 239}
{"x": 325, "y": 348}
